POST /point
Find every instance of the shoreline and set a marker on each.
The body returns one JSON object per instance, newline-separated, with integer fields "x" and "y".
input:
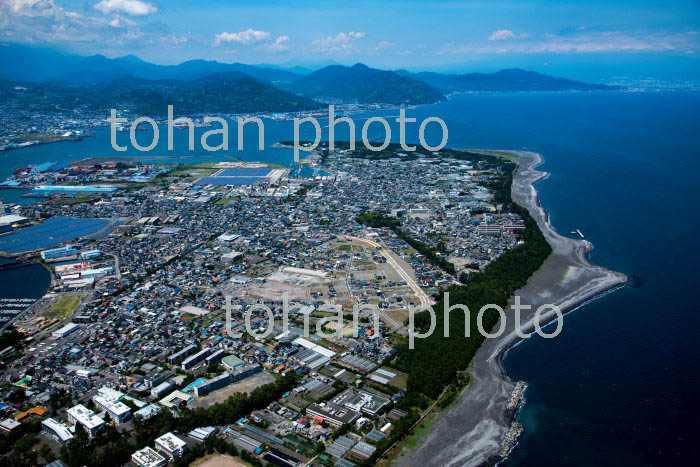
{"x": 39, "y": 142}
{"x": 472, "y": 430}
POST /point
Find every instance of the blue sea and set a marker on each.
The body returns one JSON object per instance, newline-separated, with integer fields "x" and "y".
{"x": 619, "y": 385}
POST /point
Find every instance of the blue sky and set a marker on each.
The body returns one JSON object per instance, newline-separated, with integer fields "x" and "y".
{"x": 571, "y": 37}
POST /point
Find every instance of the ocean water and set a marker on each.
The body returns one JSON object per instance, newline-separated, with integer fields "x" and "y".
{"x": 618, "y": 385}
{"x": 23, "y": 281}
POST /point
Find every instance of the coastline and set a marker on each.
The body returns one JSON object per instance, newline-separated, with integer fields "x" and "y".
{"x": 472, "y": 430}
{"x": 40, "y": 142}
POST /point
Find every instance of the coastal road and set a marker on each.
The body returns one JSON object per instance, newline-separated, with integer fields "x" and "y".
{"x": 470, "y": 432}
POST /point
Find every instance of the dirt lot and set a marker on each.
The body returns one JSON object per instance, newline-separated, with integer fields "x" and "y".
{"x": 275, "y": 290}
{"x": 247, "y": 385}
{"x": 219, "y": 461}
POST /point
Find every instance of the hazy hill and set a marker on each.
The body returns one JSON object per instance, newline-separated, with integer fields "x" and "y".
{"x": 513, "y": 79}
{"x": 25, "y": 63}
{"x": 65, "y": 81}
{"x": 365, "y": 85}
{"x": 229, "y": 92}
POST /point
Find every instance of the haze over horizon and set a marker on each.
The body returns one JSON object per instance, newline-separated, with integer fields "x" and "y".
{"x": 602, "y": 40}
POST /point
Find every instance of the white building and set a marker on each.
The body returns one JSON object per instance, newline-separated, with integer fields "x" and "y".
{"x": 229, "y": 258}
{"x": 58, "y": 430}
{"x": 64, "y": 331}
{"x": 117, "y": 410}
{"x": 162, "y": 389}
{"x": 8, "y": 425}
{"x": 110, "y": 400}
{"x": 86, "y": 417}
{"x": 147, "y": 457}
{"x": 170, "y": 445}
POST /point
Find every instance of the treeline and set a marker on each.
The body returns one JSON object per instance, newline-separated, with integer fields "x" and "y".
{"x": 434, "y": 362}
{"x": 400, "y": 429}
{"x": 10, "y": 337}
{"x": 394, "y": 150}
{"x": 114, "y": 448}
{"x": 431, "y": 253}
{"x": 214, "y": 445}
{"x": 16, "y": 445}
{"x": 379, "y": 220}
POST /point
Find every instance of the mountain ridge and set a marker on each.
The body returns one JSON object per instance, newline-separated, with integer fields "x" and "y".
{"x": 43, "y": 65}
{"x": 63, "y": 81}
{"x": 509, "y": 79}
{"x": 365, "y": 85}
{"x": 226, "y": 92}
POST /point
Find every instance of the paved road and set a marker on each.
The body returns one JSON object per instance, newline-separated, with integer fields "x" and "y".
{"x": 424, "y": 299}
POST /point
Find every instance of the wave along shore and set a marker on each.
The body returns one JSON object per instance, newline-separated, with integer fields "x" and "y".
{"x": 471, "y": 432}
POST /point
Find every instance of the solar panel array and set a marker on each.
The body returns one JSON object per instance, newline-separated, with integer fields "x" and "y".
{"x": 237, "y": 181}
{"x": 245, "y": 173}
{"x": 50, "y": 233}
{"x": 236, "y": 177}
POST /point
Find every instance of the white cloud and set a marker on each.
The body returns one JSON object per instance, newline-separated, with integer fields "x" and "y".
{"x": 37, "y": 8}
{"x": 175, "y": 40}
{"x": 343, "y": 42}
{"x": 383, "y": 45}
{"x": 583, "y": 41}
{"x": 120, "y": 22}
{"x": 34, "y": 21}
{"x": 503, "y": 34}
{"x": 249, "y": 36}
{"x": 45, "y": 22}
{"x": 130, "y": 7}
{"x": 281, "y": 44}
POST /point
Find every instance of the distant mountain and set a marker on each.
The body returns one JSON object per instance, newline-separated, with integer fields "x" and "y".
{"x": 228, "y": 92}
{"x": 26, "y": 63}
{"x": 365, "y": 85}
{"x": 196, "y": 86}
{"x": 296, "y": 69}
{"x": 513, "y": 79}
{"x": 222, "y": 92}
{"x": 194, "y": 69}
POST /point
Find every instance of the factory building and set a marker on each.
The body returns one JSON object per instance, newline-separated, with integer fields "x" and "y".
{"x": 7, "y": 222}
{"x": 49, "y": 190}
{"x": 90, "y": 254}
{"x": 65, "y": 252}
{"x": 65, "y": 330}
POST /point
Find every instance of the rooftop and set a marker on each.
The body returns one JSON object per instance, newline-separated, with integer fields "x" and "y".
{"x": 170, "y": 442}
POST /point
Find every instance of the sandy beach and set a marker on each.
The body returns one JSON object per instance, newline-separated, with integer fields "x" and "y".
{"x": 471, "y": 431}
